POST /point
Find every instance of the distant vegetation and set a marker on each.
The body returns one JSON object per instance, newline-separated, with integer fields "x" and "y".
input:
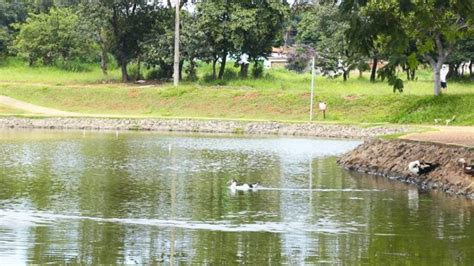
{"x": 343, "y": 37}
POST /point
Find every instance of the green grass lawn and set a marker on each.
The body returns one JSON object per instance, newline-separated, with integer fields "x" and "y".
{"x": 280, "y": 95}
{"x": 16, "y": 70}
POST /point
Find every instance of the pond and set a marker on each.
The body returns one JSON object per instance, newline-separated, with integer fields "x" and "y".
{"x": 147, "y": 198}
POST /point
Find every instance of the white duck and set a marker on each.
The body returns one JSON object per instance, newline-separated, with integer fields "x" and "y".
{"x": 235, "y": 185}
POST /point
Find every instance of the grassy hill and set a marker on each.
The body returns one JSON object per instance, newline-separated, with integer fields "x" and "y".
{"x": 279, "y": 95}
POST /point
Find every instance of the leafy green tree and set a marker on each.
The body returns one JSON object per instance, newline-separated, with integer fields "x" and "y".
{"x": 238, "y": 27}
{"x": 324, "y": 28}
{"x": 256, "y": 26}
{"x": 10, "y": 13}
{"x": 213, "y": 19}
{"x": 433, "y": 27}
{"x": 128, "y": 22}
{"x": 158, "y": 46}
{"x": 51, "y": 36}
{"x": 94, "y": 26}
{"x": 463, "y": 52}
{"x": 43, "y": 6}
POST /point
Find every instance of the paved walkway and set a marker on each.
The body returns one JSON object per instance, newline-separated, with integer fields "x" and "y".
{"x": 35, "y": 109}
{"x": 463, "y": 136}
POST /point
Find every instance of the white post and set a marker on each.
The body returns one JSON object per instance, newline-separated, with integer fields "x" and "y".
{"x": 176, "y": 46}
{"x": 312, "y": 91}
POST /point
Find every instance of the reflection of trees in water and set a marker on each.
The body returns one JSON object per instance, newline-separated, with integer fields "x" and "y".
{"x": 137, "y": 177}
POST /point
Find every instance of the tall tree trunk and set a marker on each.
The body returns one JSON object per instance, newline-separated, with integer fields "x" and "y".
{"x": 214, "y": 62}
{"x": 470, "y": 69}
{"x": 123, "y": 66}
{"x": 437, "y": 77}
{"x": 138, "y": 68}
{"x": 345, "y": 75}
{"x": 442, "y": 54}
{"x": 373, "y": 73}
{"x": 222, "y": 68}
{"x": 244, "y": 70}
{"x": 287, "y": 37}
{"x": 181, "y": 63}
{"x": 104, "y": 61}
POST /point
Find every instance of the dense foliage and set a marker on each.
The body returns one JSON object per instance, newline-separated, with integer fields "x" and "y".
{"x": 343, "y": 35}
{"x": 53, "y": 36}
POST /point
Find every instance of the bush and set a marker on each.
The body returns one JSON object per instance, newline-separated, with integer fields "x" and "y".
{"x": 153, "y": 74}
{"x": 73, "y": 65}
{"x": 230, "y": 74}
{"x": 133, "y": 72}
{"x": 191, "y": 72}
{"x": 257, "y": 69}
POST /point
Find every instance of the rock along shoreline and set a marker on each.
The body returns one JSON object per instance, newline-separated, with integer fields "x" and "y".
{"x": 205, "y": 126}
{"x": 390, "y": 159}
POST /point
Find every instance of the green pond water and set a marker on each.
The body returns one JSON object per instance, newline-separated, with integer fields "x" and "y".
{"x": 145, "y": 198}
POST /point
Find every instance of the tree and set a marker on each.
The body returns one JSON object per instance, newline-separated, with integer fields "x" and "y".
{"x": 51, "y": 36}
{"x": 433, "y": 27}
{"x": 256, "y": 27}
{"x": 158, "y": 46}
{"x": 436, "y": 38}
{"x": 128, "y": 24}
{"x": 213, "y": 19}
{"x": 238, "y": 27}
{"x": 94, "y": 26}
{"x": 10, "y": 13}
{"x": 324, "y": 28}
{"x": 463, "y": 53}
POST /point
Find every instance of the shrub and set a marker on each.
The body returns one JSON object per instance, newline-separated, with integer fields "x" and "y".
{"x": 257, "y": 69}
{"x": 153, "y": 74}
{"x": 133, "y": 72}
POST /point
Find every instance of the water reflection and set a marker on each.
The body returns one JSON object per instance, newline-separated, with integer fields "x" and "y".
{"x": 107, "y": 198}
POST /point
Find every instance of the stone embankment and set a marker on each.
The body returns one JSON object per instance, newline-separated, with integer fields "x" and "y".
{"x": 205, "y": 126}
{"x": 390, "y": 159}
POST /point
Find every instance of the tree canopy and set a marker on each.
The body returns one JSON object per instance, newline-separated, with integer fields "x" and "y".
{"x": 344, "y": 35}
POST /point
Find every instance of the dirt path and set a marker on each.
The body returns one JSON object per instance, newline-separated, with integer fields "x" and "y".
{"x": 35, "y": 109}
{"x": 462, "y": 136}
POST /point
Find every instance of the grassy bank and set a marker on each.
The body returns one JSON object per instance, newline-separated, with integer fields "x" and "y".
{"x": 280, "y": 95}
{"x": 8, "y": 110}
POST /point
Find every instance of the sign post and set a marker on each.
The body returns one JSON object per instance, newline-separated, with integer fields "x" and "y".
{"x": 312, "y": 91}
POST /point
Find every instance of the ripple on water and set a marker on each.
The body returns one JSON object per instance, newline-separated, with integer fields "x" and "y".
{"x": 18, "y": 219}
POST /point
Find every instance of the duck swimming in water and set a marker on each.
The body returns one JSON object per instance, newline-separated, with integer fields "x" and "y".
{"x": 235, "y": 185}
{"x": 420, "y": 167}
{"x": 468, "y": 169}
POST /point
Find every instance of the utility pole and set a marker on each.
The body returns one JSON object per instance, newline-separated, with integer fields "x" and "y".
{"x": 176, "y": 46}
{"x": 312, "y": 91}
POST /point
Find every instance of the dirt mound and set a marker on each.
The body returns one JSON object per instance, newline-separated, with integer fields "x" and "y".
{"x": 391, "y": 158}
